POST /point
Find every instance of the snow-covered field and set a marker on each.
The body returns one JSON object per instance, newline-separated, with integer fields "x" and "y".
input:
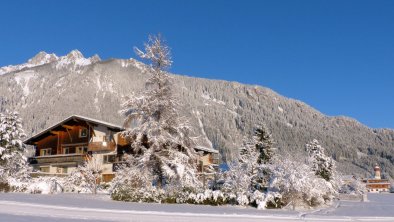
{"x": 72, "y": 208}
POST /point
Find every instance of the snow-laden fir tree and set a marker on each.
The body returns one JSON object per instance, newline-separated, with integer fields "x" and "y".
{"x": 264, "y": 144}
{"x": 248, "y": 161}
{"x": 236, "y": 184}
{"x": 86, "y": 177}
{"x": 159, "y": 136}
{"x": 322, "y": 165}
{"x": 14, "y": 168}
{"x": 247, "y": 179}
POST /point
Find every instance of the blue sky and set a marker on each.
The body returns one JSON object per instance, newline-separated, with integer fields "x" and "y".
{"x": 337, "y": 56}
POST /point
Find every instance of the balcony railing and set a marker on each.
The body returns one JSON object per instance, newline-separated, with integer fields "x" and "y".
{"x": 102, "y": 146}
{"x": 57, "y": 158}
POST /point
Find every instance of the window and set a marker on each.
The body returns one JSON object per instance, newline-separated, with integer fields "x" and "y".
{"x": 66, "y": 150}
{"x": 108, "y": 158}
{"x": 45, "y": 152}
{"x": 83, "y": 132}
{"x": 44, "y": 169}
{"x": 61, "y": 170}
{"x": 81, "y": 149}
{"x": 215, "y": 158}
{"x": 109, "y": 137}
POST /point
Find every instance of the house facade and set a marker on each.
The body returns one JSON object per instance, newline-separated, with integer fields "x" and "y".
{"x": 61, "y": 148}
{"x": 377, "y": 184}
{"x": 65, "y": 145}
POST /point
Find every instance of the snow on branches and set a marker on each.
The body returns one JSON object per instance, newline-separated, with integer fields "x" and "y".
{"x": 86, "y": 177}
{"x": 264, "y": 144}
{"x": 321, "y": 164}
{"x": 133, "y": 182}
{"x": 159, "y": 136}
{"x": 298, "y": 185}
{"x": 157, "y": 53}
{"x": 263, "y": 179}
{"x": 246, "y": 180}
{"x": 13, "y": 163}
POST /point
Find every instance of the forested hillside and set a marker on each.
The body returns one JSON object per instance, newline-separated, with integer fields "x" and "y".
{"x": 48, "y": 89}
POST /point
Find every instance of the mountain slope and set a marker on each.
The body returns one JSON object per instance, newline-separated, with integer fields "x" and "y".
{"x": 52, "y": 88}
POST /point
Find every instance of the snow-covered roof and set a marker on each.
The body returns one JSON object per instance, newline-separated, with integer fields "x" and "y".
{"x": 206, "y": 149}
{"x": 87, "y": 119}
{"x": 109, "y": 125}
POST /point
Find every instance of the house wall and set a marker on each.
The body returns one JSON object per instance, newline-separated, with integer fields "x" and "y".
{"x": 57, "y": 170}
{"x": 55, "y": 142}
{"x": 47, "y": 142}
{"x": 68, "y": 167}
{"x": 206, "y": 159}
{"x": 70, "y": 138}
{"x": 101, "y": 134}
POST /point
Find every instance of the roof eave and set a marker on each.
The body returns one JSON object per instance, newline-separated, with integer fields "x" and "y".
{"x": 87, "y": 119}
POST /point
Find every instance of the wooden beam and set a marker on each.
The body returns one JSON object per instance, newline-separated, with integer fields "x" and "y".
{"x": 68, "y": 127}
{"x": 69, "y": 134}
{"x": 91, "y": 127}
{"x": 55, "y": 132}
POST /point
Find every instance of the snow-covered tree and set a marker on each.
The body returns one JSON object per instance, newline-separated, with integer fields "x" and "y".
{"x": 261, "y": 153}
{"x": 13, "y": 162}
{"x": 237, "y": 183}
{"x": 246, "y": 180}
{"x": 322, "y": 165}
{"x": 353, "y": 187}
{"x": 133, "y": 182}
{"x": 298, "y": 185}
{"x": 264, "y": 144}
{"x": 159, "y": 136}
{"x": 248, "y": 162}
{"x": 86, "y": 177}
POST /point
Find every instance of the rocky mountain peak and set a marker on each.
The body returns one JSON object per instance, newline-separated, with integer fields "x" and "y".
{"x": 95, "y": 58}
{"x": 42, "y": 58}
{"x": 75, "y": 55}
{"x": 75, "y": 61}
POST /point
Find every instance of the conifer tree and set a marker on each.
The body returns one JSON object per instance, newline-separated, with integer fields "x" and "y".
{"x": 264, "y": 147}
{"x": 264, "y": 144}
{"x": 13, "y": 163}
{"x": 159, "y": 135}
{"x": 248, "y": 162}
{"x": 255, "y": 156}
{"x": 321, "y": 164}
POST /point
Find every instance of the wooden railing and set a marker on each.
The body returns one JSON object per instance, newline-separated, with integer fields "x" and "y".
{"x": 102, "y": 146}
{"x": 57, "y": 158}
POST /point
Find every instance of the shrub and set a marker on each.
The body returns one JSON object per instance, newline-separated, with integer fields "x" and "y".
{"x": 5, "y": 187}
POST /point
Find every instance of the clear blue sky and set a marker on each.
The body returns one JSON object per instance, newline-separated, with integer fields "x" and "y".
{"x": 337, "y": 56}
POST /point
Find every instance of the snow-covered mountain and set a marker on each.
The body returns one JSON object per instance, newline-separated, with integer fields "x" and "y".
{"x": 49, "y": 88}
{"x": 74, "y": 59}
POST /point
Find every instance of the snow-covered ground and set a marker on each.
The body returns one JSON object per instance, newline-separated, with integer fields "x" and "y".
{"x": 72, "y": 208}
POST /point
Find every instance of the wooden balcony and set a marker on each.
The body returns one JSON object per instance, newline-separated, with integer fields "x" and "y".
{"x": 101, "y": 146}
{"x": 64, "y": 158}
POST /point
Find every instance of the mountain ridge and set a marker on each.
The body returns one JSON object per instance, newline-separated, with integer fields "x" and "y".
{"x": 74, "y": 57}
{"x": 221, "y": 112}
